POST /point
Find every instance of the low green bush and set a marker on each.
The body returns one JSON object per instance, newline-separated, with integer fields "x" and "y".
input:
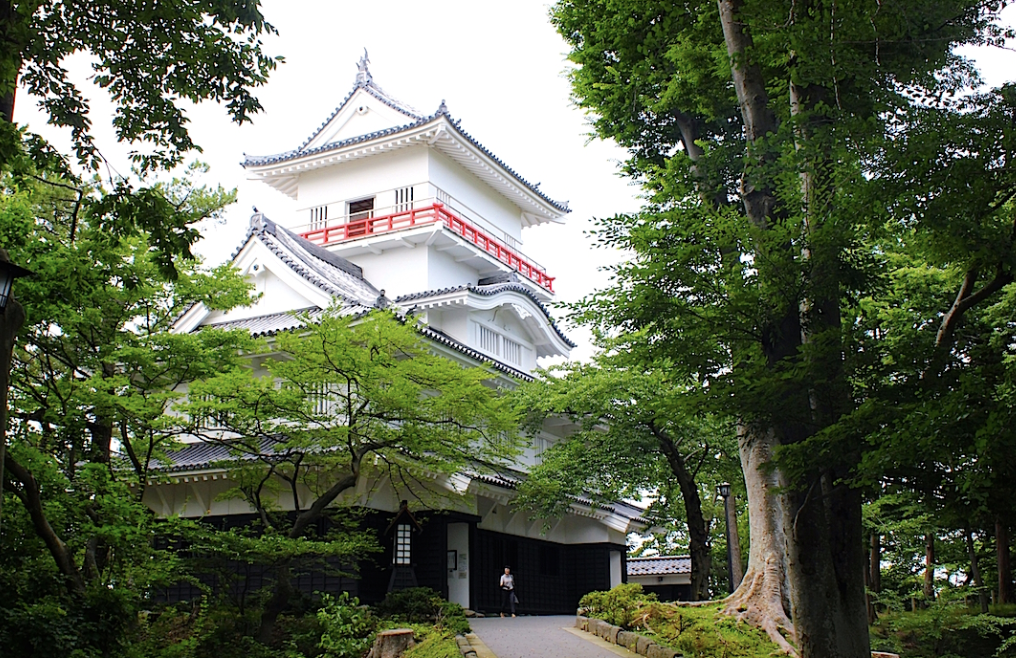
{"x": 617, "y": 606}
{"x": 424, "y": 605}
{"x": 947, "y": 629}
{"x": 347, "y": 628}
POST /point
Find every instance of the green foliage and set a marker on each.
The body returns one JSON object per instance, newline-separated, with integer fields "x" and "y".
{"x": 619, "y": 606}
{"x": 152, "y": 60}
{"x": 95, "y": 372}
{"x": 422, "y": 604}
{"x": 347, "y": 627}
{"x": 947, "y": 629}
{"x": 345, "y": 400}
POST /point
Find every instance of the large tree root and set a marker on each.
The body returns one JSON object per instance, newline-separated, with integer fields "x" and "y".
{"x": 759, "y": 601}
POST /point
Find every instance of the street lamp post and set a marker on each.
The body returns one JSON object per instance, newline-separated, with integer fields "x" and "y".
{"x": 734, "y": 568}
{"x": 12, "y": 316}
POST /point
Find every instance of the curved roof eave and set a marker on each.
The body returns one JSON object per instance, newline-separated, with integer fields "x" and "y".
{"x": 314, "y": 158}
{"x": 414, "y": 299}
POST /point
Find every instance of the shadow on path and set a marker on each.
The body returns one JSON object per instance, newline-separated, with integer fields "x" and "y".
{"x": 535, "y": 637}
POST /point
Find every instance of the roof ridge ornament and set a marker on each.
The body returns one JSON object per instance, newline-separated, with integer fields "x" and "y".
{"x": 442, "y": 108}
{"x": 257, "y": 220}
{"x": 363, "y": 76}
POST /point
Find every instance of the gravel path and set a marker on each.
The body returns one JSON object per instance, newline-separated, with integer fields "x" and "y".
{"x": 535, "y": 637}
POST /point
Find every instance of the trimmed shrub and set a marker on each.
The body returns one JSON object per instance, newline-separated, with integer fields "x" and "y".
{"x": 617, "y": 606}
{"x": 424, "y": 605}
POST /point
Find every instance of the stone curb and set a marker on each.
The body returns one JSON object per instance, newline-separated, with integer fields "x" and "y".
{"x": 465, "y": 649}
{"x": 625, "y": 639}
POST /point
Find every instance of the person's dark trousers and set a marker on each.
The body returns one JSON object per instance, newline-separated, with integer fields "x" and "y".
{"x": 507, "y": 602}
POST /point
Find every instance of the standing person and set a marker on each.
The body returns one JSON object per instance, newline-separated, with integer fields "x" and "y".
{"x": 507, "y": 591}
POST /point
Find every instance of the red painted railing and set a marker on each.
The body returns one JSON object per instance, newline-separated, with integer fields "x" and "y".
{"x": 428, "y": 215}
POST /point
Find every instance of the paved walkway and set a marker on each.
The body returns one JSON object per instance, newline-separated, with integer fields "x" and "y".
{"x": 541, "y": 637}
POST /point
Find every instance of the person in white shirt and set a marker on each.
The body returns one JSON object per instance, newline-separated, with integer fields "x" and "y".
{"x": 508, "y": 591}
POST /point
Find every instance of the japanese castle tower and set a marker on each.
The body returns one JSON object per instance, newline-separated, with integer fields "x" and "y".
{"x": 399, "y": 209}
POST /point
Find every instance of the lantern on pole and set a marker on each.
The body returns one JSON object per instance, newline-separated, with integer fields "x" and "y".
{"x": 8, "y": 272}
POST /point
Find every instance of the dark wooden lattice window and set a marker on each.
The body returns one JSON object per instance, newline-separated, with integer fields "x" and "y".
{"x": 403, "y": 544}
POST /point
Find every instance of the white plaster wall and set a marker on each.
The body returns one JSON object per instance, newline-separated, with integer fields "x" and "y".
{"x": 444, "y": 272}
{"x": 475, "y": 194}
{"x": 397, "y": 271}
{"x": 276, "y": 296}
{"x": 616, "y": 577}
{"x": 360, "y": 178}
{"x": 458, "y": 578}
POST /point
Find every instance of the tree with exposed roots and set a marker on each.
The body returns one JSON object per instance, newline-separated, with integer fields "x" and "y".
{"x": 767, "y": 137}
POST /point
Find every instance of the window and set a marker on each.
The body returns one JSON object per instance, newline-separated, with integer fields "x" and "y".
{"x": 512, "y": 351}
{"x": 497, "y": 345}
{"x": 321, "y": 402}
{"x": 487, "y": 340}
{"x": 403, "y": 538}
{"x": 403, "y": 199}
{"x": 359, "y": 211}
{"x": 318, "y": 217}
{"x": 212, "y": 420}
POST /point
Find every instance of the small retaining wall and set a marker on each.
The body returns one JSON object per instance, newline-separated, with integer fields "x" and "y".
{"x": 630, "y": 641}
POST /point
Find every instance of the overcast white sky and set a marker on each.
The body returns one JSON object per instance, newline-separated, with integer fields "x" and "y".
{"x": 499, "y": 65}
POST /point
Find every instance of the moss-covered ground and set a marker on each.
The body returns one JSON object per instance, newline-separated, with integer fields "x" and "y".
{"x": 703, "y": 632}
{"x": 940, "y": 631}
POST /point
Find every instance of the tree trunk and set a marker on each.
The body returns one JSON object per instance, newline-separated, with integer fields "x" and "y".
{"x": 11, "y": 321}
{"x": 876, "y": 563}
{"x": 762, "y": 599}
{"x": 31, "y": 498}
{"x": 929, "y": 566}
{"x": 820, "y": 535}
{"x": 392, "y": 643}
{"x": 873, "y": 575}
{"x": 975, "y": 572}
{"x": 283, "y": 587}
{"x": 698, "y": 531}
{"x": 734, "y": 543}
{"x": 1002, "y": 556}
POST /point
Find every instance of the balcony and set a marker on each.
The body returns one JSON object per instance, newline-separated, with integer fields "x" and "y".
{"x": 412, "y": 214}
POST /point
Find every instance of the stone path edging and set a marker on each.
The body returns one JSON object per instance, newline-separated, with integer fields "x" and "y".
{"x": 644, "y": 646}
{"x": 631, "y": 641}
{"x": 470, "y": 646}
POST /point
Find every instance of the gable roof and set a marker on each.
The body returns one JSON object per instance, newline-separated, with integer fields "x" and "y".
{"x": 441, "y": 116}
{"x": 441, "y": 119}
{"x": 326, "y": 270}
{"x": 367, "y": 86}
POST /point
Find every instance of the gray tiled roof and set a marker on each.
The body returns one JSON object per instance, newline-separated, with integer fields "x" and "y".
{"x": 488, "y": 291}
{"x": 659, "y": 566}
{"x": 201, "y": 455}
{"x": 256, "y": 160}
{"x": 330, "y": 272}
{"x": 269, "y": 325}
{"x": 373, "y": 90}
